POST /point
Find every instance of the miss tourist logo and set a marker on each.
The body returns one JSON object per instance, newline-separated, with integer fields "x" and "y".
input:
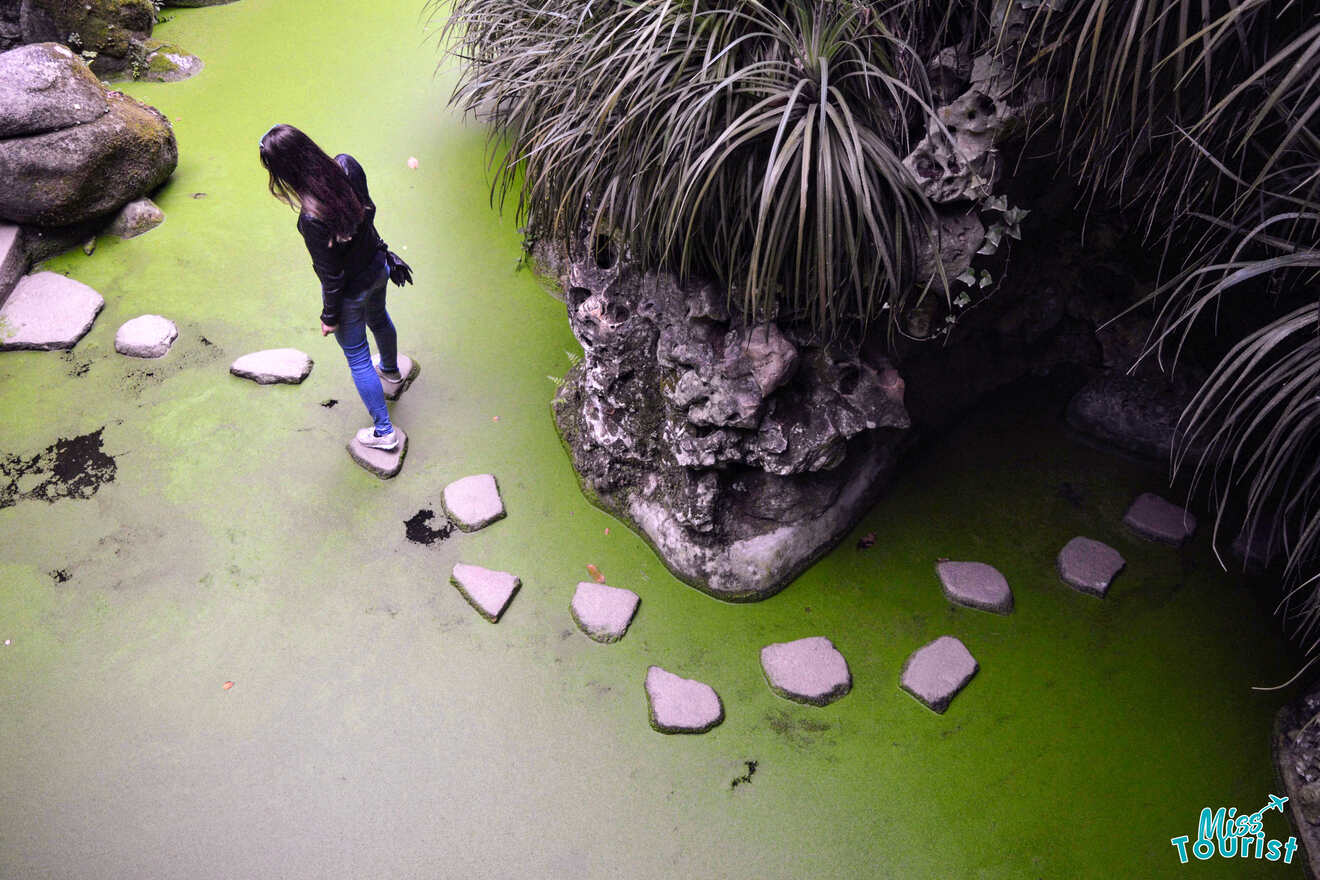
{"x": 1229, "y": 835}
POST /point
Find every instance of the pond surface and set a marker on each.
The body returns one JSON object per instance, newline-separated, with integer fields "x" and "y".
{"x": 377, "y": 727}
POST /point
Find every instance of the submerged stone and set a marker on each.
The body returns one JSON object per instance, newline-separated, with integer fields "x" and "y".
{"x": 1152, "y": 517}
{"x": 381, "y": 462}
{"x": 1089, "y": 566}
{"x": 809, "y": 670}
{"x": 408, "y": 370}
{"x": 487, "y": 590}
{"x": 47, "y": 311}
{"x": 603, "y": 612}
{"x": 274, "y": 365}
{"x": 975, "y": 585}
{"x": 681, "y": 705}
{"x": 146, "y": 336}
{"x": 138, "y": 216}
{"x": 473, "y": 502}
{"x": 936, "y": 672}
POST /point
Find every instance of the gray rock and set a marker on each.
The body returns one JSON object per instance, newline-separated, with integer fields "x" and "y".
{"x": 487, "y": 590}
{"x": 936, "y": 672}
{"x": 385, "y": 464}
{"x": 191, "y": 3}
{"x": 166, "y": 62}
{"x": 84, "y": 171}
{"x": 146, "y": 336}
{"x": 47, "y": 311}
{"x": 603, "y": 612}
{"x": 1159, "y": 520}
{"x": 473, "y": 502}
{"x": 809, "y": 670}
{"x": 114, "y": 30}
{"x": 1089, "y": 566}
{"x": 1132, "y": 414}
{"x": 742, "y": 451}
{"x": 274, "y": 365}
{"x": 681, "y": 705}
{"x": 13, "y": 259}
{"x": 45, "y": 87}
{"x": 975, "y": 585}
{"x": 408, "y": 370}
{"x": 138, "y": 216}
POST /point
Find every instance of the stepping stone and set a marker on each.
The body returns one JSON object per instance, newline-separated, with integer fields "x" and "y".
{"x": 473, "y": 502}
{"x": 936, "y": 672}
{"x": 486, "y": 590}
{"x": 1089, "y": 566}
{"x": 288, "y": 365}
{"x": 147, "y": 336}
{"x": 1150, "y": 516}
{"x": 681, "y": 705}
{"x": 383, "y": 463}
{"x": 808, "y": 670}
{"x": 47, "y": 311}
{"x": 603, "y": 612}
{"x": 975, "y": 585}
{"x": 408, "y": 369}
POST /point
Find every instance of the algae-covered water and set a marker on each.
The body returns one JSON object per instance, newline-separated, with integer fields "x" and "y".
{"x": 378, "y": 728}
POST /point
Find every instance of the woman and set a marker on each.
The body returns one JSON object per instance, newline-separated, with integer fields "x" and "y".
{"x": 337, "y": 220}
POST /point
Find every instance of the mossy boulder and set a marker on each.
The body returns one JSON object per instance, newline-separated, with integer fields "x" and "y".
{"x": 165, "y": 62}
{"x": 197, "y": 2}
{"x": 109, "y": 31}
{"x": 88, "y": 169}
{"x": 43, "y": 87}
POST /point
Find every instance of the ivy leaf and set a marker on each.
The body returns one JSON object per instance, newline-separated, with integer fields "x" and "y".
{"x": 967, "y": 277}
{"x": 996, "y": 203}
{"x": 962, "y": 300}
{"x": 988, "y": 248}
{"x": 986, "y": 279}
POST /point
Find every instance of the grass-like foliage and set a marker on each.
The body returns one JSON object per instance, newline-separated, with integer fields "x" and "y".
{"x": 757, "y": 143}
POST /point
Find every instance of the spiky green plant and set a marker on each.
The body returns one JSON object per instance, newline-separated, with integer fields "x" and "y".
{"x": 758, "y": 143}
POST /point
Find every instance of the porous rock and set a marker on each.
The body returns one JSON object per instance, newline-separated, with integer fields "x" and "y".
{"x": 87, "y": 170}
{"x": 112, "y": 31}
{"x": 138, "y": 216}
{"x": 166, "y": 62}
{"x": 13, "y": 259}
{"x": 273, "y": 365}
{"x": 473, "y": 502}
{"x": 936, "y": 672}
{"x": 44, "y": 87}
{"x": 383, "y": 463}
{"x": 975, "y": 585}
{"x": 47, "y": 311}
{"x": 603, "y": 612}
{"x": 809, "y": 670}
{"x": 1159, "y": 520}
{"x": 1137, "y": 415}
{"x": 487, "y": 590}
{"x": 1089, "y": 565}
{"x": 741, "y": 450}
{"x": 146, "y": 336}
{"x": 681, "y": 705}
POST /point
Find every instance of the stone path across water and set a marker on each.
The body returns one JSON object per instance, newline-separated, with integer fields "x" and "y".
{"x": 47, "y": 311}
{"x": 809, "y": 670}
{"x": 975, "y": 585}
{"x": 146, "y": 336}
{"x": 473, "y": 502}
{"x": 681, "y": 705}
{"x": 936, "y": 672}
{"x": 488, "y": 591}
{"x": 1089, "y": 566}
{"x": 1159, "y": 520}
{"x": 273, "y": 366}
{"x": 603, "y": 612}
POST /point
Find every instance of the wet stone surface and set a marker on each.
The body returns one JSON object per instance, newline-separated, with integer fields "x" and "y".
{"x": 1152, "y": 517}
{"x": 488, "y": 591}
{"x": 47, "y": 311}
{"x": 975, "y": 585}
{"x": 384, "y": 463}
{"x": 1089, "y": 566}
{"x": 809, "y": 670}
{"x": 936, "y": 672}
{"x": 681, "y": 705}
{"x": 146, "y": 336}
{"x": 473, "y": 502}
{"x": 272, "y": 366}
{"x": 69, "y": 468}
{"x": 603, "y": 612}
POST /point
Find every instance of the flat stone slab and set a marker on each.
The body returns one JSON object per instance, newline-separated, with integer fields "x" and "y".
{"x": 681, "y": 705}
{"x": 383, "y": 463}
{"x": 936, "y": 672}
{"x": 1089, "y": 566}
{"x": 603, "y": 612}
{"x": 486, "y": 590}
{"x": 288, "y": 365}
{"x": 146, "y": 336}
{"x": 47, "y": 311}
{"x": 1152, "y": 517}
{"x": 473, "y": 502}
{"x": 809, "y": 670}
{"x": 975, "y": 585}
{"x": 408, "y": 370}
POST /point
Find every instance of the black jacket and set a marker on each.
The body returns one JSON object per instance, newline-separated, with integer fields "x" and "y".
{"x": 345, "y": 266}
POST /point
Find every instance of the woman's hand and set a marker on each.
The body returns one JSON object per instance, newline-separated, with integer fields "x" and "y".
{"x": 327, "y": 329}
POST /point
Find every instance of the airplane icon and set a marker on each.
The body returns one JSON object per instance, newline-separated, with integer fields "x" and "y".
{"x": 1276, "y": 803}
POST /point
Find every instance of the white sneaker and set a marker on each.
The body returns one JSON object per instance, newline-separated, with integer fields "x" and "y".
{"x": 367, "y": 437}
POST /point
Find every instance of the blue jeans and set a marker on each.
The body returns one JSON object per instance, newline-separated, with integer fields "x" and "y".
{"x": 357, "y": 313}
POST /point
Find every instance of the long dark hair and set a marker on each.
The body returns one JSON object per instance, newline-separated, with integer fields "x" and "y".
{"x": 303, "y": 176}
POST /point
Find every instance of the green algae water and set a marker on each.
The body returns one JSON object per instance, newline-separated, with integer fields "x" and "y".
{"x": 377, "y": 727}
